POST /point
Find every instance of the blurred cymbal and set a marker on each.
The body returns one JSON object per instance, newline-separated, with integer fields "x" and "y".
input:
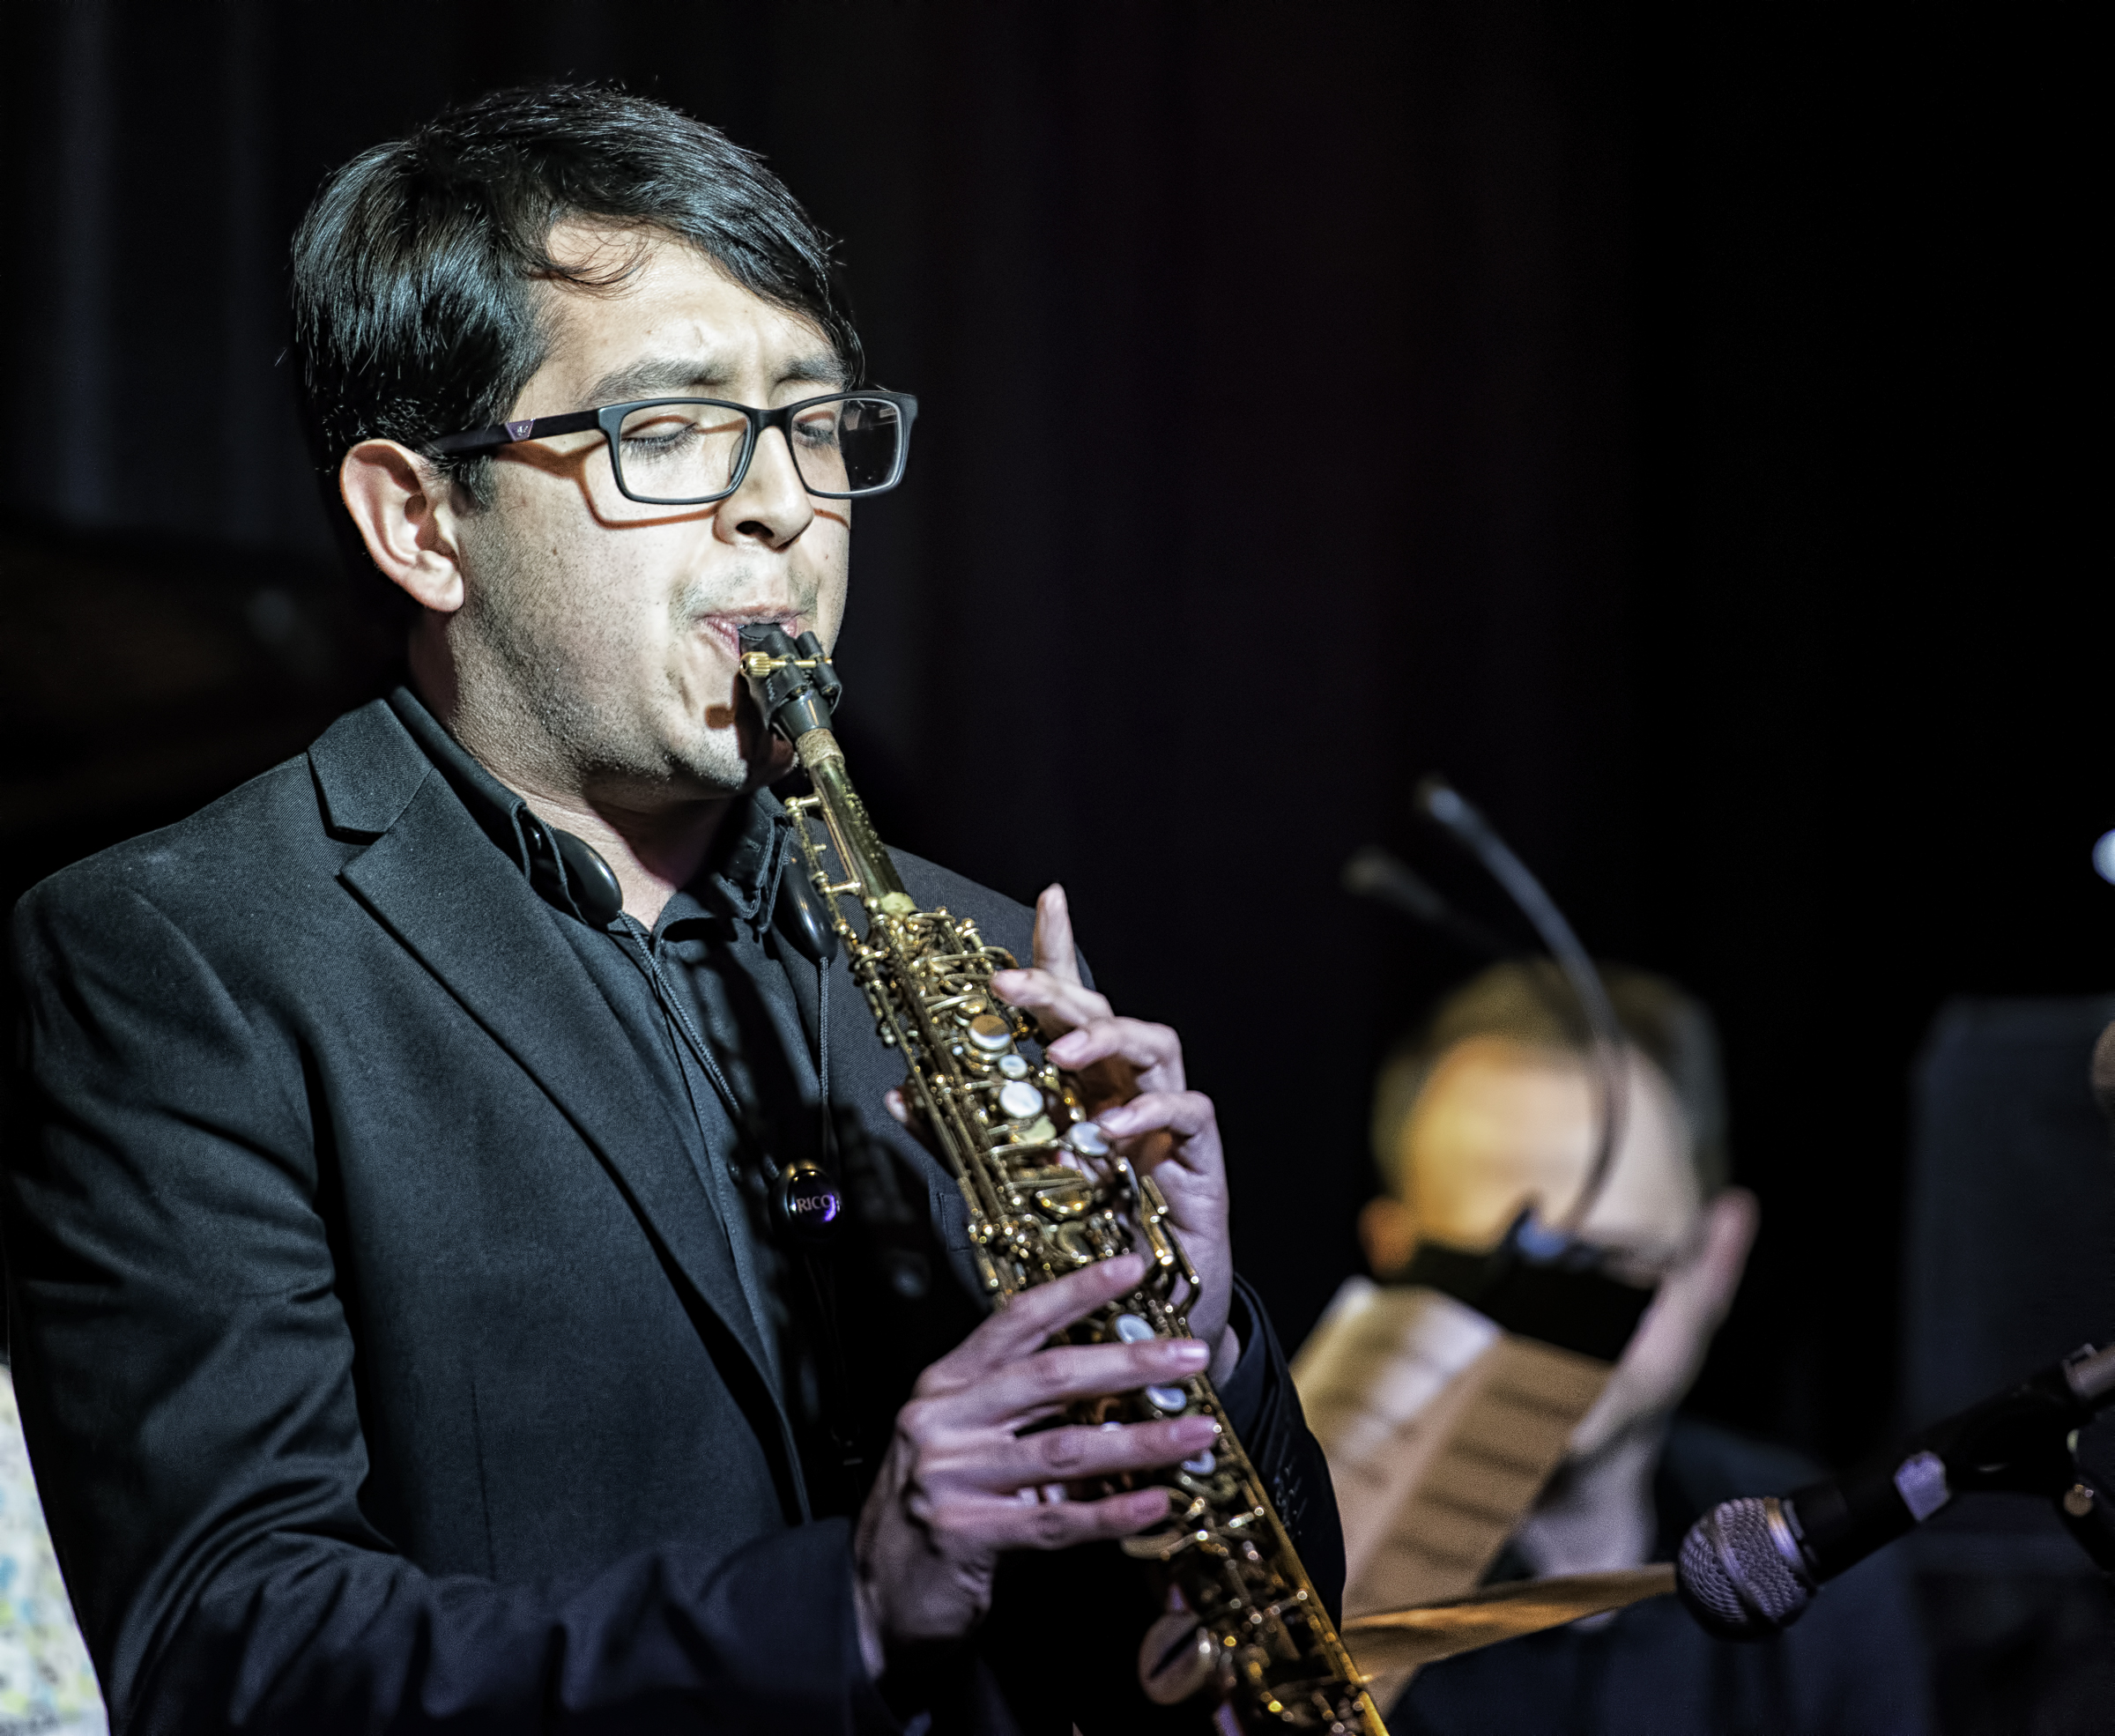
{"x": 1402, "y": 1639}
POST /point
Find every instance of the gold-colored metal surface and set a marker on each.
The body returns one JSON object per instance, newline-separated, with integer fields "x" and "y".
{"x": 1046, "y": 1195}
{"x": 1401, "y": 1639}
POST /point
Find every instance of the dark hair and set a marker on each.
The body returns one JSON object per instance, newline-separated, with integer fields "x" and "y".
{"x": 413, "y": 311}
{"x": 1530, "y": 1002}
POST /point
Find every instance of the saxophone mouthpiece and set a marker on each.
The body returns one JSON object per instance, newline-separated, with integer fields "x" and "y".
{"x": 794, "y": 685}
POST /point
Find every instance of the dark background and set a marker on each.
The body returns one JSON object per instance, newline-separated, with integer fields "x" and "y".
{"x": 1671, "y": 422}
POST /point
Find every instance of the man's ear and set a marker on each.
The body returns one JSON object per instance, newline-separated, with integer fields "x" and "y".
{"x": 1388, "y": 1233}
{"x": 1731, "y": 1219}
{"x": 404, "y": 509}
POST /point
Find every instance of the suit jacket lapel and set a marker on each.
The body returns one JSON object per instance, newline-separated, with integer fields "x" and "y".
{"x": 436, "y": 882}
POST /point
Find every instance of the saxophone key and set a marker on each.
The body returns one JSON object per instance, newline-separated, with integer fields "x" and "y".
{"x": 1156, "y": 1240}
{"x": 1176, "y": 1659}
{"x": 1087, "y": 1138}
{"x": 1074, "y": 1244}
{"x": 1019, "y": 1100}
{"x": 1162, "y": 1548}
{"x": 1067, "y": 1199}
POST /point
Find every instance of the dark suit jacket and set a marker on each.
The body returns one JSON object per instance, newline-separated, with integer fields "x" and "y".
{"x": 381, "y": 1357}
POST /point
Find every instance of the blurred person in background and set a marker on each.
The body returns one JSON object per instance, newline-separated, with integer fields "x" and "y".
{"x": 1492, "y": 1108}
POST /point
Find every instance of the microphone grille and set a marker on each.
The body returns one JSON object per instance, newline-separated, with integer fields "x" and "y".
{"x": 1734, "y": 1572}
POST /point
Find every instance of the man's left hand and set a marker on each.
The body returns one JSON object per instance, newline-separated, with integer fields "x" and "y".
{"x": 1130, "y": 1076}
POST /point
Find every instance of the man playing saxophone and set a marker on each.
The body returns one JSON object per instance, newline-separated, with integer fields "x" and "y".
{"x": 466, "y": 1273}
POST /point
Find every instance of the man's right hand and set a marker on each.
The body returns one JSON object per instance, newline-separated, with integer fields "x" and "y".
{"x": 961, "y": 1484}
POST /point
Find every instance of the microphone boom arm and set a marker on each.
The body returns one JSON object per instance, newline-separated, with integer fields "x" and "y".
{"x": 1448, "y": 808}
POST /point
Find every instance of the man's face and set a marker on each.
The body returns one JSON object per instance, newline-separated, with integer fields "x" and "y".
{"x": 1500, "y": 1125}
{"x": 600, "y": 634}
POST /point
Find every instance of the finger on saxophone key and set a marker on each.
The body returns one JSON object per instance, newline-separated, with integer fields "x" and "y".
{"x": 1045, "y": 1383}
{"x": 1077, "y": 1452}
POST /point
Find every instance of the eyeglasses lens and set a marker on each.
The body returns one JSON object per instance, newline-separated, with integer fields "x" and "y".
{"x": 677, "y": 453}
{"x": 680, "y": 452}
{"x": 848, "y": 445}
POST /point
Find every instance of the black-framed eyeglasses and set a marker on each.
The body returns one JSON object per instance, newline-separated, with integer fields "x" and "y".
{"x": 691, "y": 451}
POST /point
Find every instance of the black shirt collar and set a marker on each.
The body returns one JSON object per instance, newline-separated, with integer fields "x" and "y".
{"x": 739, "y": 879}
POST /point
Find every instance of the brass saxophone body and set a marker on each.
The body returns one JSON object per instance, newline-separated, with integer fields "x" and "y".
{"x": 1046, "y": 1195}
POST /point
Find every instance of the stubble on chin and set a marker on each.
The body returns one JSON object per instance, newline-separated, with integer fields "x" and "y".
{"x": 551, "y": 680}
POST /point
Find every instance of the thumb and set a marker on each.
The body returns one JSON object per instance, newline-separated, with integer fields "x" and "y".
{"x": 1054, "y": 949}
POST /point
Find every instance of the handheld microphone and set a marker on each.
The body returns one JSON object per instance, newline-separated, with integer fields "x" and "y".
{"x": 1749, "y": 1567}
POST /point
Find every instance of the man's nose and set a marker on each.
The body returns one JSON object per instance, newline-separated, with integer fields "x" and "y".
{"x": 771, "y": 507}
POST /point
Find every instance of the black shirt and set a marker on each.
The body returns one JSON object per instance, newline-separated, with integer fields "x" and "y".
{"x": 704, "y": 998}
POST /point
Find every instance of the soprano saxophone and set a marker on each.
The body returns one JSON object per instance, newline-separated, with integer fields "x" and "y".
{"x": 1047, "y": 1195}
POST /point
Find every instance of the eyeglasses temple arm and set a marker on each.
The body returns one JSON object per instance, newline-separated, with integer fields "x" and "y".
{"x": 505, "y": 433}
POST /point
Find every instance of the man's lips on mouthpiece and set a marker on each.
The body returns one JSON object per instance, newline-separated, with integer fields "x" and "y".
{"x": 727, "y": 627}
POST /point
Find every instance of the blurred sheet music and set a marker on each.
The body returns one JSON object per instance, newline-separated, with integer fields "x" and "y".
{"x": 1440, "y": 1429}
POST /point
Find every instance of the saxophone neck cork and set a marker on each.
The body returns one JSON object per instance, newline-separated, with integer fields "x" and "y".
{"x": 812, "y": 747}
